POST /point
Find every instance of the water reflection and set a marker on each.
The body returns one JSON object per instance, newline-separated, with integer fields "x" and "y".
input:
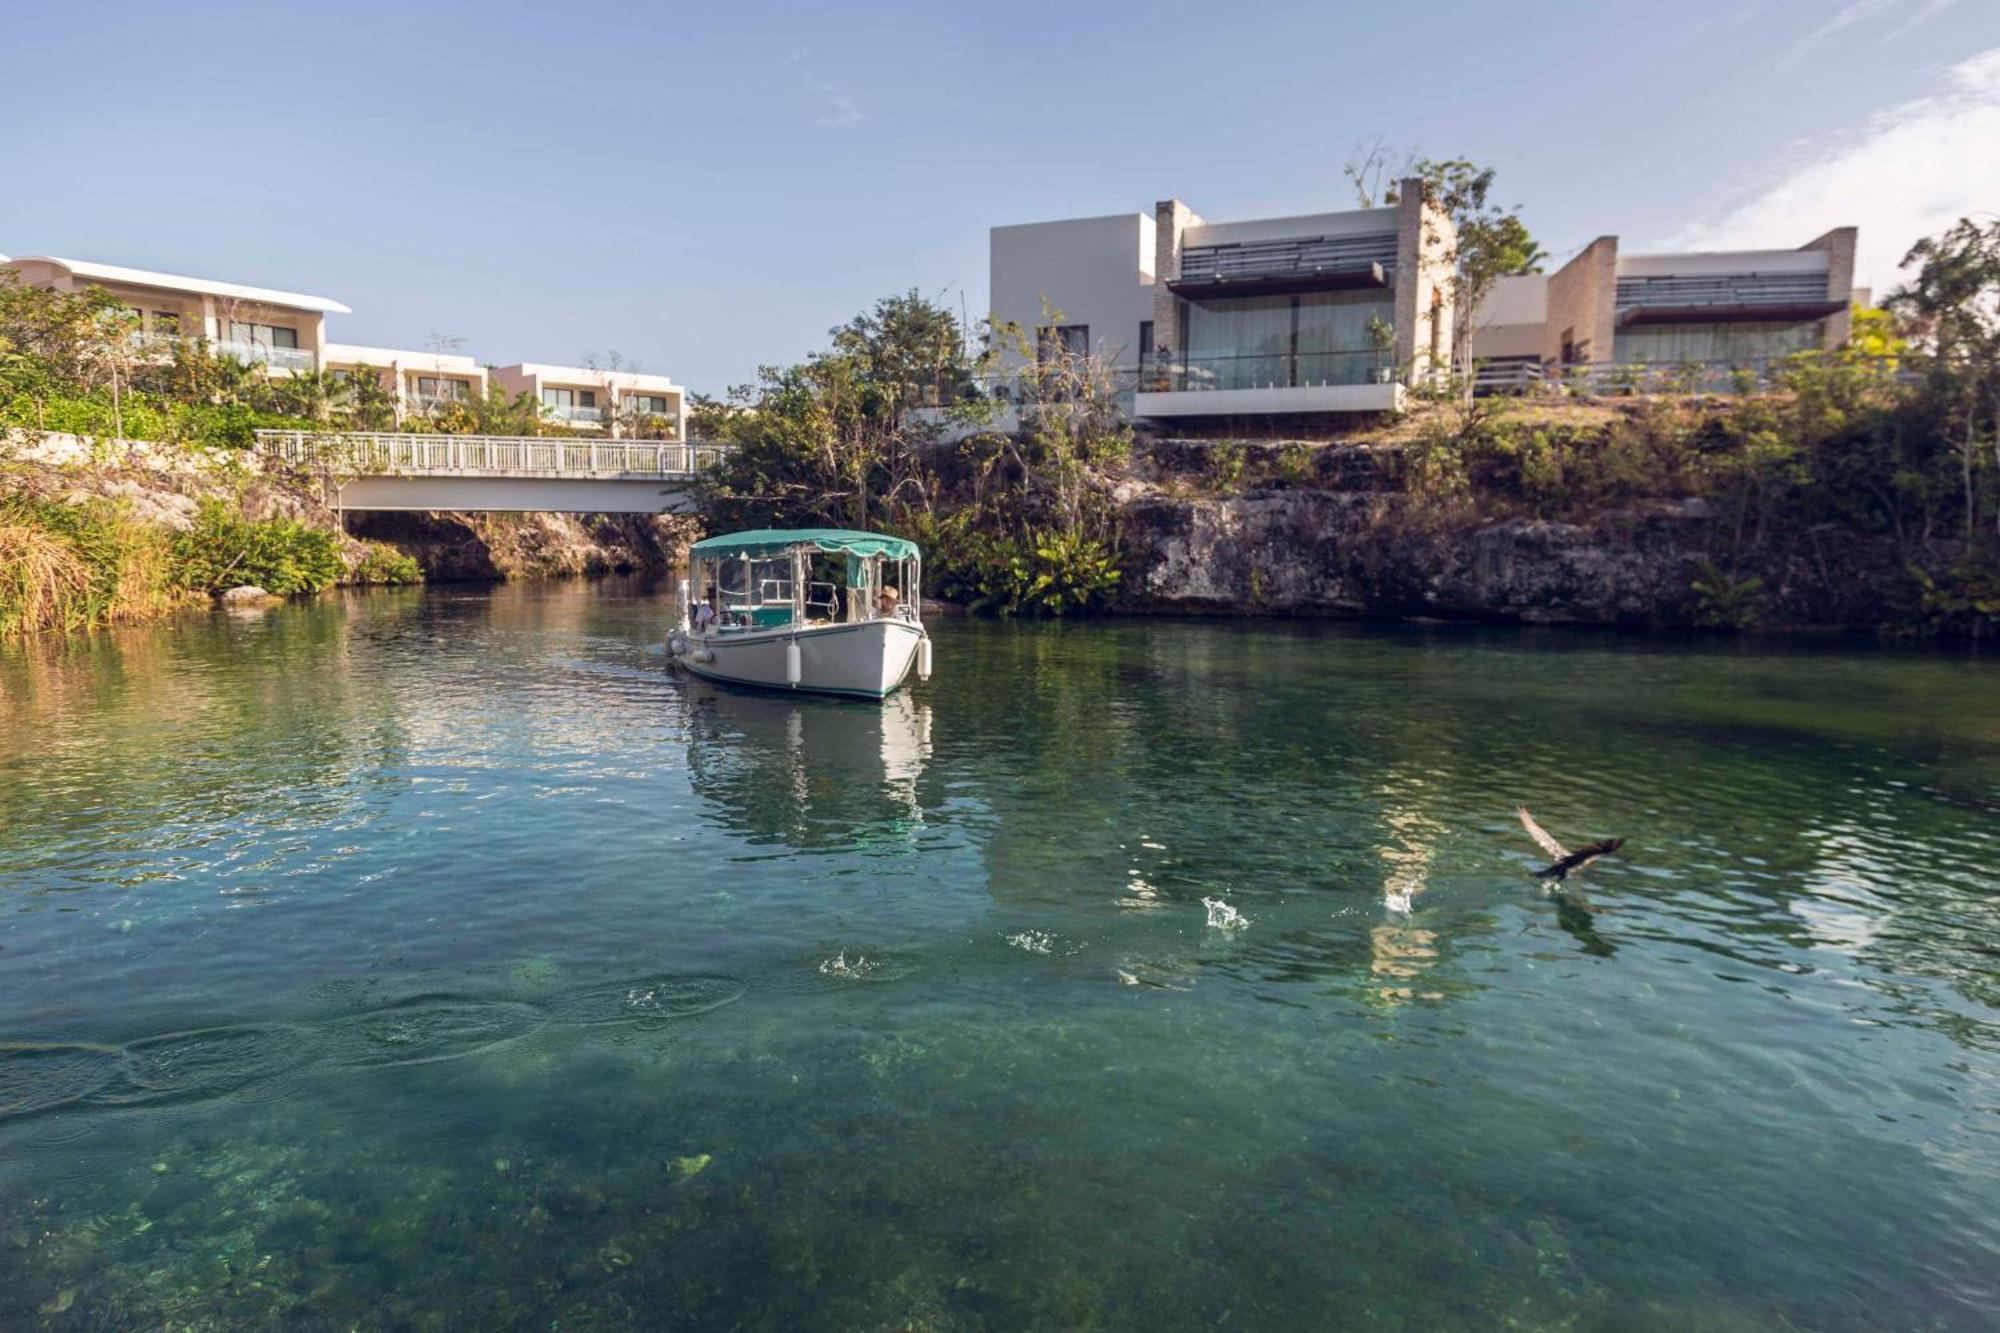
{"x": 815, "y": 774}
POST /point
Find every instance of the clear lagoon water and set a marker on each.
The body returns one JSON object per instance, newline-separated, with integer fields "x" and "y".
{"x": 436, "y": 959}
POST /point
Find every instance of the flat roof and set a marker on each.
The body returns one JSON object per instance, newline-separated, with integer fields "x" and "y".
{"x": 140, "y": 277}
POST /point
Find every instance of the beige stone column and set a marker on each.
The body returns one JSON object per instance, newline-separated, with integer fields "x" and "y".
{"x": 1583, "y": 303}
{"x": 1426, "y": 261}
{"x": 1171, "y": 219}
{"x": 1839, "y": 246}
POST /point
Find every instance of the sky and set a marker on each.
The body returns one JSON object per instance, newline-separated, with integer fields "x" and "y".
{"x": 704, "y": 189}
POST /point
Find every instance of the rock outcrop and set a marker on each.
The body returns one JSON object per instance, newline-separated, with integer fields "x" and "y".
{"x": 1310, "y": 551}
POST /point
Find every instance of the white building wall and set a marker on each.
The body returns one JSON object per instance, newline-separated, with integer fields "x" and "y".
{"x": 1095, "y": 271}
{"x": 1707, "y": 263}
{"x": 1354, "y": 222}
{"x": 1513, "y": 319}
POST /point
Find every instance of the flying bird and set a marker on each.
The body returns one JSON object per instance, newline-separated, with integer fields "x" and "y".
{"x": 1566, "y": 862}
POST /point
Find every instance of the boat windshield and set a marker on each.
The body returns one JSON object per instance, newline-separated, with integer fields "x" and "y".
{"x": 802, "y": 587}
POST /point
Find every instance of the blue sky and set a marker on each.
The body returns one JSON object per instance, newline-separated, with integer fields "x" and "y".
{"x": 703, "y": 188}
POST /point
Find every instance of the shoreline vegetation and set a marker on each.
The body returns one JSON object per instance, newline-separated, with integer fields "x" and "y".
{"x": 1855, "y": 490}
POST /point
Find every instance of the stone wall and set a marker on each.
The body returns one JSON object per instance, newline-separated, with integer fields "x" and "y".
{"x": 1583, "y": 301}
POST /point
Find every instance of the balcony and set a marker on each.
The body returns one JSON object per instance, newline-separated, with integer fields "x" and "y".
{"x": 153, "y": 344}
{"x": 277, "y": 358}
{"x": 1271, "y": 383}
{"x": 1728, "y": 296}
{"x": 1303, "y": 264}
{"x": 575, "y": 416}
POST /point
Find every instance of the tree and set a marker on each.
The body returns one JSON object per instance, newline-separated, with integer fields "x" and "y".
{"x": 1492, "y": 242}
{"x": 1952, "y": 309}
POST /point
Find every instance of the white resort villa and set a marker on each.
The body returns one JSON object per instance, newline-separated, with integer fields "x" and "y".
{"x": 1333, "y": 313}
{"x": 285, "y": 332}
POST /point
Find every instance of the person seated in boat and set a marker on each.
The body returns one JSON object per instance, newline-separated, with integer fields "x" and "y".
{"x": 886, "y": 604}
{"x": 705, "y": 614}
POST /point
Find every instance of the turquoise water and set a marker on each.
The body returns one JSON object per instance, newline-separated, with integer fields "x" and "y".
{"x": 437, "y": 960}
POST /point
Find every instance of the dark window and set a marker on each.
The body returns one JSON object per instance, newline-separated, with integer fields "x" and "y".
{"x": 586, "y": 398}
{"x": 1145, "y": 341}
{"x": 166, "y": 321}
{"x": 263, "y": 335}
{"x": 1067, "y": 339}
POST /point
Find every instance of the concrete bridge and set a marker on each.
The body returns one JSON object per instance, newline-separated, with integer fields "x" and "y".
{"x": 362, "y": 470}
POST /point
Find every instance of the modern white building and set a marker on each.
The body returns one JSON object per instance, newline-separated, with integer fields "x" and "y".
{"x": 1327, "y": 313}
{"x": 1334, "y": 313}
{"x": 618, "y": 401}
{"x": 285, "y": 332}
{"x": 1722, "y": 307}
{"x": 282, "y": 331}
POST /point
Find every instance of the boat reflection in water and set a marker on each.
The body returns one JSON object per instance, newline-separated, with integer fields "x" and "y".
{"x": 810, "y": 772}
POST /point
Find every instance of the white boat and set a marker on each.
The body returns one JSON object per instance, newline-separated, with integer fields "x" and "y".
{"x": 827, "y": 610}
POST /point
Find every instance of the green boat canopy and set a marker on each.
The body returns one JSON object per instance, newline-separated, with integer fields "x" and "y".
{"x": 762, "y": 542}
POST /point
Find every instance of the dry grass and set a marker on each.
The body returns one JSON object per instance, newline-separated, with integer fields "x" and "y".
{"x": 44, "y": 583}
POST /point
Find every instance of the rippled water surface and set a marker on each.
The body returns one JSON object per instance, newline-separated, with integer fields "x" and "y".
{"x": 438, "y": 960}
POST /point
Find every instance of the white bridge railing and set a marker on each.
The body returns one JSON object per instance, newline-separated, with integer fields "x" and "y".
{"x": 393, "y": 454}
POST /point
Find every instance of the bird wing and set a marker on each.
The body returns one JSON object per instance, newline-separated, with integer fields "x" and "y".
{"x": 1540, "y": 834}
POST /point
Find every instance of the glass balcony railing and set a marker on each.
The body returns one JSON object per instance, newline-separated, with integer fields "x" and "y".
{"x": 565, "y": 412}
{"x": 281, "y": 358}
{"x": 153, "y": 340}
{"x": 1274, "y": 370}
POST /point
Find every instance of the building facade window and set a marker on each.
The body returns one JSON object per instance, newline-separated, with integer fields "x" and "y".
{"x": 166, "y": 321}
{"x": 1258, "y": 342}
{"x": 263, "y": 335}
{"x": 1068, "y": 339}
{"x": 563, "y": 398}
{"x": 1145, "y": 342}
{"x": 430, "y": 386}
{"x": 647, "y": 404}
{"x": 1749, "y": 340}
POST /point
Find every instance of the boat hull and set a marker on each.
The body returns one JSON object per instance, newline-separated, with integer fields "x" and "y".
{"x": 867, "y": 660}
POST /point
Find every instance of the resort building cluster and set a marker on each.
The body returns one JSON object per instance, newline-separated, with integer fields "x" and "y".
{"x": 1320, "y": 314}
{"x": 285, "y": 332}
{"x": 1333, "y": 313}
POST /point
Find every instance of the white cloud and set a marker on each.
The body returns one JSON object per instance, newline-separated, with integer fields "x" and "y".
{"x": 842, "y": 111}
{"x": 1909, "y": 172}
{"x": 1915, "y": 12}
{"x": 797, "y": 56}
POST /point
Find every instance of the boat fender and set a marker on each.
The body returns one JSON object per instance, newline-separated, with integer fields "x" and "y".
{"x": 704, "y": 654}
{"x": 924, "y": 658}
{"x": 794, "y": 668}
{"x": 677, "y": 644}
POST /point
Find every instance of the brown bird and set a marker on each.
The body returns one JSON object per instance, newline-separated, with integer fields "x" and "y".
{"x": 1567, "y": 862}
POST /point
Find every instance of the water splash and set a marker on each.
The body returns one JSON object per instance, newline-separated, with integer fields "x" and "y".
{"x": 839, "y": 966}
{"x": 1221, "y": 916}
{"x": 1033, "y": 941}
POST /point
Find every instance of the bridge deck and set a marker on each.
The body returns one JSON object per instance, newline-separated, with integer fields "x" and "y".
{"x": 366, "y": 470}
{"x": 389, "y": 454}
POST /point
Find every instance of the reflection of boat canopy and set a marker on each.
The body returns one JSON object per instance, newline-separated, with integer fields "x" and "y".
{"x": 828, "y": 609}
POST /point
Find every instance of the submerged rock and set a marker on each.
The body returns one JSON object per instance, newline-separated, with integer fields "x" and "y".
{"x": 249, "y": 594}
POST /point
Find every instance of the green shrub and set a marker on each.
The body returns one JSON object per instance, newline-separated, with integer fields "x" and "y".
{"x": 281, "y": 555}
{"x": 385, "y": 564}
{"x": 1225, "y": 466}
{"x": 1724, "y": 601}
{"x": 1295, "y": 465}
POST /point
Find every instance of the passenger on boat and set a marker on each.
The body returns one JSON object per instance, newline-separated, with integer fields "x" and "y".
{"x": 705, "y": 614}
{"x": 886, "y": 603}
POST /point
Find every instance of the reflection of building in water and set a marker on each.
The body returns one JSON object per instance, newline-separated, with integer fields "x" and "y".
{"x": 1399, "y": 953}
{"x": 813, "y": 773}
{"x": 1411, "y": 846}
{"x": 1398, "y": 956}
